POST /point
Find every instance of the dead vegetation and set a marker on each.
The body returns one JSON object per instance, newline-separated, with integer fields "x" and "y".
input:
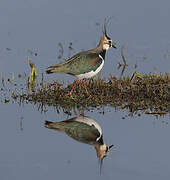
{"x": 148, "y": 93}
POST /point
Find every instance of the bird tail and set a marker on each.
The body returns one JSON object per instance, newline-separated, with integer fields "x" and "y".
{"x": 57, "y": 68}
{"x": 49, "y": 70}
{"x": 47, "y": 123}
{"x": 59, "y": 126}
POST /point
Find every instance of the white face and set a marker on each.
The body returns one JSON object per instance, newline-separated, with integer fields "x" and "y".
{"x": 104, "y": 150}
{"x": 107, "y": 45}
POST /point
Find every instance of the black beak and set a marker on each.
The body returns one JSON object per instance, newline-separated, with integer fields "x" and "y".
{"x": 111, "y": 146}
{"x": 113, "y": 46}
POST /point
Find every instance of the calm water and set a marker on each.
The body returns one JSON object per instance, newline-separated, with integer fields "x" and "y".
{"x": 31, "y": 151}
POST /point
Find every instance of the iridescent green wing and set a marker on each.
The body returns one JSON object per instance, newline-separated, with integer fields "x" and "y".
{"x": 83, "y": 62}
{"x": 83, "y": 132}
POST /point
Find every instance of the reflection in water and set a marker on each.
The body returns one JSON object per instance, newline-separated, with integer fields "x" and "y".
{"x": 85, "y": 130}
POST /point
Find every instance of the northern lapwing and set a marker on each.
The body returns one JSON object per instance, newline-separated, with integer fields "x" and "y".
{"x": 85, "y": 64}
{"x": 85, "y": 130}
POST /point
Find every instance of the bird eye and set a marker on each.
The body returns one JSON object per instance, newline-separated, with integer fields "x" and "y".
{"x": 109, "y": 42}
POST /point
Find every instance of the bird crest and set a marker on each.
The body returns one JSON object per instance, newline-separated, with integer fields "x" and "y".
{"x": 105, "y": 41}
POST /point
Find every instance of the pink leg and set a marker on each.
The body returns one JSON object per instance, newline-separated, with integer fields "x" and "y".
{"x": 76, "y": 113}
{"x": 85, "y": 86}
{"x": 70, "y": 93}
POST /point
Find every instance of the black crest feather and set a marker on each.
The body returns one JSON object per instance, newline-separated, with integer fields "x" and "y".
{"x": 106, "y": 22}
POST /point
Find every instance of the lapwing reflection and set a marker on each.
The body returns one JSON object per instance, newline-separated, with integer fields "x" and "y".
{"x": 85, "y": 130}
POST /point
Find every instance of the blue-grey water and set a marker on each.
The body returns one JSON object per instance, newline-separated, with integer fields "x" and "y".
{"x": 30, "y": 151}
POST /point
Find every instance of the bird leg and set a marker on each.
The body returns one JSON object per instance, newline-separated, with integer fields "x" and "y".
{"x": 76, "y": 113}
{"x": 85, "y": 87}
{"x": 70, "y": 93}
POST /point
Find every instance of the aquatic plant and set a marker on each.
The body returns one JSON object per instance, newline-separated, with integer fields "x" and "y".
{"x": 32, "y": 77}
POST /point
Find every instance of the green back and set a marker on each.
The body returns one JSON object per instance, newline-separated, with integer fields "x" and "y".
{"x": 80, "y": 63}
{"x": 83, "y": 63}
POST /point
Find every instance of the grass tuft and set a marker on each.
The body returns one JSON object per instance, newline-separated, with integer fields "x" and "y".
{"x": 149, "y": 93}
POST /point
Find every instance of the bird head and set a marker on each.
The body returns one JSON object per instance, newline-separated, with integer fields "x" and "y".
{"x": 105, "y": 41}
{"x": 102, "y": 151}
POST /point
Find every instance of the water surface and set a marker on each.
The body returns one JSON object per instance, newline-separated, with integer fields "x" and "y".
{"x": 29, "y": 150}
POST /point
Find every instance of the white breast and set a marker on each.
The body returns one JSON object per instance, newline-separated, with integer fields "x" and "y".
{"x": 92, "y": 73}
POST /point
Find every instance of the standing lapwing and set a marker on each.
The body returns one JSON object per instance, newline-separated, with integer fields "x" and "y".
{"x": 85, "y": 64}
{"x": 85, "y": 130}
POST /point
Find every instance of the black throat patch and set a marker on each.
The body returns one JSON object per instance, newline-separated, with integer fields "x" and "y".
{"x": 103, "y": 54}
{"x": 100, "y": 141}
